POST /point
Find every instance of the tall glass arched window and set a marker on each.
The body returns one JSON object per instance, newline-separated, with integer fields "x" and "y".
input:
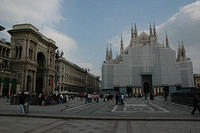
{"x": 16, "y": 51}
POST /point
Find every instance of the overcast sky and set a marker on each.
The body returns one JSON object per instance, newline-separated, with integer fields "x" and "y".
{"x": 83, "y": 28}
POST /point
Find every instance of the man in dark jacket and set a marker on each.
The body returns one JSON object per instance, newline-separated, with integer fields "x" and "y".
{"x": 22, "y": 102}
{"x": 195, "y": 105}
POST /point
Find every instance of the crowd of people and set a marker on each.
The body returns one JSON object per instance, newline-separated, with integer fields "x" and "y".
{"x": 89, "y": 98}
{"x": 119, "y": 98}
{"x": 24, "y": 99}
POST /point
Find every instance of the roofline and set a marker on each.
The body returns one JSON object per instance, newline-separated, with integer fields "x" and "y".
{"x": 77, "y": 67}
{"x": 40, "y": 35}
{"x": 72, "y": 64}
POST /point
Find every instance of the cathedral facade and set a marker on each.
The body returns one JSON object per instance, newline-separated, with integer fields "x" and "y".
{"x": 147, "y": 64}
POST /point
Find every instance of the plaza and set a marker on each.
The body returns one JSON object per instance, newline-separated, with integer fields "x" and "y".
{"x": 136, "y": 115}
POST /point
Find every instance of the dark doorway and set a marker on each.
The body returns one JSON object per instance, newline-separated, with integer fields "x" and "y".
{"x": 129, "y": 90}
{"x": 40, "y": 72}
{"x": 147, "y": 83}
{"x": 146, "y": 87}
{"x": 28, "y": 84}
{"x": 5, "y": 90}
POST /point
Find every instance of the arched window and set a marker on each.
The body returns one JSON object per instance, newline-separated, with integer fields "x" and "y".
{"x": 30, "y": 53}
{"x": 20, "y": 51}
{"x": 7, "y": 52}
{"x": 50, "y": 61}
{"x": 16, "y": 51}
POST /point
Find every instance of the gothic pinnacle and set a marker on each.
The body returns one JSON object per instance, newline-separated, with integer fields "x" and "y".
{"x": 167, "y": 41}
{"x": 122, "y": 46}
{"x": 154, "y": 32}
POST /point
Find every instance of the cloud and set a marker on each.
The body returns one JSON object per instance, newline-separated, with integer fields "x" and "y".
{"x": 44, "y": 15}
{"x": 37, "y": 12}
{"x": 64, "y": 42}
{"x": 185, "y": 26}
{"x": 92, "y": 68}
{"x": 116, "y": 40}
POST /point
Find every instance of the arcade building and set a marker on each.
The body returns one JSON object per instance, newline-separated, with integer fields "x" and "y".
{"x": 33, "y": 59}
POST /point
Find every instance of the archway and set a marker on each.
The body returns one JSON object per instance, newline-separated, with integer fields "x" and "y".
{"x": 40, "y": 72}
{"x": 147, "y": 85}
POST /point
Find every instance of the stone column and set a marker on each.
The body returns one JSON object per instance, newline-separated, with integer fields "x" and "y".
{"x": 25, "y": 79}
{"x": 34, "y": 83}
{"x": 53, "y": 87}
{"x": 24, "y": 46}
{"x": 18, "y": 53}
{"x": 44, "y": 89}
{"x": 47, "y": 82}
{"x": 5, "y": 52}
{"x": 27, "y": 48}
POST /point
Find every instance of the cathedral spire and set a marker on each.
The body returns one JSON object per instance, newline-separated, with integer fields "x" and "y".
{"x": 183, "y": 51}
{"x": 150, "y": 30}
{"x": 111, "y": 52}
{"x": 132, "y": 34}
{"x": 122, "y": 46}
{"x": 135, "y": 32}
{"x": 167, "y": 42}
{"x": 154, "y": 32}
{"x": 107, "y": 54}
{"x": 179, "y": 52}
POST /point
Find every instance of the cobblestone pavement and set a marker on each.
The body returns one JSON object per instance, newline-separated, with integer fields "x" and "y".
{"x": 40, "y": 125}
{"x": 145, "y": 110}
{"x": 133, "y": 108}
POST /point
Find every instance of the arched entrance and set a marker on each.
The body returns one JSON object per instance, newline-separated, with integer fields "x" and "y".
{"x": 147, "y": 85}
{"x": 40, "y": 72}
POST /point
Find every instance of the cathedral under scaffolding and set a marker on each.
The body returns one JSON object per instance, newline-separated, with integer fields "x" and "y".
{"x": 146, "y": 64}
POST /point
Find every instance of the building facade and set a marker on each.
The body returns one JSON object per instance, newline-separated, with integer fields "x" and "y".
{"x": 33, "y": 59}
{"x": 7, "y": 76}
{"x": 30, "y": 63}
{"x": 73, "y": 79}
{"x": 92, "y": 83}
{"x": 147, "y": 65}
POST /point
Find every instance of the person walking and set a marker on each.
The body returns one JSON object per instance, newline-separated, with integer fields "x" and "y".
{"x": 86, "y": 98}
{"x": 122, "y": 98}
{"x": 22, "y": 102}
{"x": 97, "y": 98}
{"x": 109, "y": 98}
{"x": 116, "y": 98}
{"x": 61, "y": 99}
{"x": 40, "y": 98}
{"x": 195, "y": 105}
